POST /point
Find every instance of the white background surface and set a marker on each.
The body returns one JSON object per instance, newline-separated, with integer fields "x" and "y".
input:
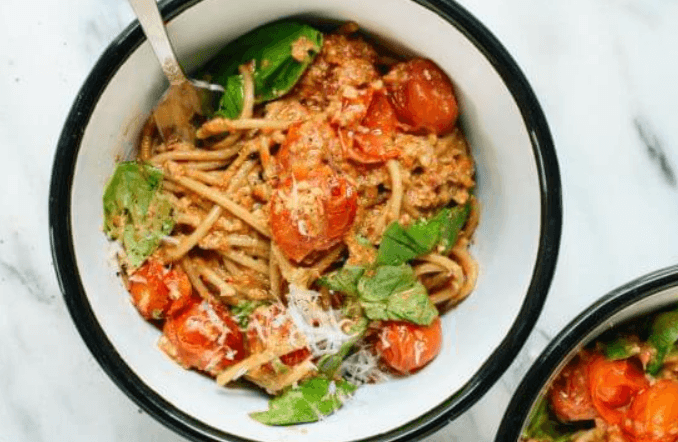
{"x": 603, "y": 70}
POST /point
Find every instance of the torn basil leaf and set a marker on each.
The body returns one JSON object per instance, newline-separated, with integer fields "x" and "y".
{"x": 329, "y": 364}
{"x": 344, "y": 280}
{"x": 543, "y": 427}
{"x": 400, "y": 245}
{"x": 281, "y": 52}
{"x": 313, "y": 399}
{"x": 394, "y": 293}
{"x": 621, "y": 348}
{"x": 663, "y": 336}
{"x": 134, "y": 210}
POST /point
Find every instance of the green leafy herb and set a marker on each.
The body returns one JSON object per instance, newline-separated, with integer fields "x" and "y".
{"x": 663, "y": 336}
{"x": 542, "y": 427}
{"x": 329, "y": 364}
{"x": 134, "y": 210}
{"x": 243, "y": 310}
{"x": 620, "y": 348}
{"x": 344, "y": 280}
{"x": 311, "y": 400}
{"x": 273, "y": 48}
{"x": 233, "y": 98}
{"x": 399, "y": 245}
{"x": 393, "y": 292}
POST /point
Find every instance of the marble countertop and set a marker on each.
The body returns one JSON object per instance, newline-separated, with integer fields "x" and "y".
{"x": 603, "y": 70}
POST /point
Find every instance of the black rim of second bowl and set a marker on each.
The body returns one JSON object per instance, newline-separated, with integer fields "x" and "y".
{"x": 570, "y": 337}
{"x": 76, "y": 299}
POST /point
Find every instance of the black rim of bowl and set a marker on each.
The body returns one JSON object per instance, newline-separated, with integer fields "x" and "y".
{"x": 570, "y": 337}
{"x": 104, "y": 352}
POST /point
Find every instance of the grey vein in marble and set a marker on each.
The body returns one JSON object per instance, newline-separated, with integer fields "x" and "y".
{"x": 655, "y": 150}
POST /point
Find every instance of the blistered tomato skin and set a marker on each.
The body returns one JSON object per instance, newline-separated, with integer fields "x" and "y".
{"x": 613, "y": 385}
{"x": 155, "y": 290}
{"x": 312, "y": 211}
{"x": 407, "y": 347}
{"x": 570, "y": 397}
{"x": 371, "y": 140}
{"x": 204, "y": 336}
{"x": 653, "y": 416}
{"x": 422, "y": 96}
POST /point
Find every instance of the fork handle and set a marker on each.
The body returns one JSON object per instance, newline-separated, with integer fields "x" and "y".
{"x": 151, "y": 22}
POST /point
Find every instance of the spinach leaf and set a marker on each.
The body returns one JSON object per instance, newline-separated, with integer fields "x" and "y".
{"x": 394, "y": 293}
{"x": 273, "y": 48}
{"x": 663, "y": 336}
{"x": 542, "y": 427}
{"x": 400, "y": 244}
{"x": 311, "y": 400}
{"x": 134, "y": 211}
{"x": 344, "y": 280}
{"x": 620, "y": 348}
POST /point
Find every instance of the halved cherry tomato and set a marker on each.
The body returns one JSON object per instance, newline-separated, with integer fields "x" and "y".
{"x": 155, "y": 290}
{"x": 372, "y": 140}
{"x": 613, "y": 385}
{"x": 569, "y": 395}
{"x": 653, "y": 416}
{"x": 407, "y": 347}
{"x": 311, "y": 211}
{"x": 423, "y": 96}
{"x": 267, "y": 328}
{"x": 204, "y": 336}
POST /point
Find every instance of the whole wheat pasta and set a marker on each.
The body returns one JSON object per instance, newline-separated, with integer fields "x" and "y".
{"x": 194, "y": 277}
{"x": 248, "y": 91}
{"x": 470, "y": 267}
{"x": 218, "y": 126}
{"x": 205, "y": 177}
{"x": 207, "y": 165}
{"x": 227, "y": 142}
{"x": 274, "y": 275}
{"x": 240, "y": 176}
{"x": 396, "y": 200}
{"x": 246, "y": 261}
{"x": 194, "y": 155}
{"x": 191, "y": 240}
{"x": 223, "y": 201}
{"x": 225, "y": 289}
{"x": 247, "y": 241}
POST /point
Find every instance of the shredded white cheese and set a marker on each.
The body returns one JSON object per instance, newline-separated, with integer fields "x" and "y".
{"x": 322, "y": 328}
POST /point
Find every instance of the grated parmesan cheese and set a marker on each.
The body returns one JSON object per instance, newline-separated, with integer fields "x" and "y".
{"x": 322, "y": 328}
{"x": 362, "y": 367}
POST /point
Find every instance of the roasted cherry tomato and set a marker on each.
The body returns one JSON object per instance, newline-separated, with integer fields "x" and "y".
{"x": 423, "y": 96}
{"x": 653, "y": 416}
{"x": 311, "y": 211}
{"x": 371, "y": 141}
{"x": 268, "y": 328}
{"x": 155, "y": 290}
{"x": 407, "y": 347}
{"x": 306, "y": 146}
{"x": 203, "y": 336}
{"x": 613, "y": 385}
{"x": 570, "y": 397}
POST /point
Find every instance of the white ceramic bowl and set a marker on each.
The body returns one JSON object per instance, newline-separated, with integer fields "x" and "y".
{"x": 642, "y": 296}
{"x": 516, "y": 243}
